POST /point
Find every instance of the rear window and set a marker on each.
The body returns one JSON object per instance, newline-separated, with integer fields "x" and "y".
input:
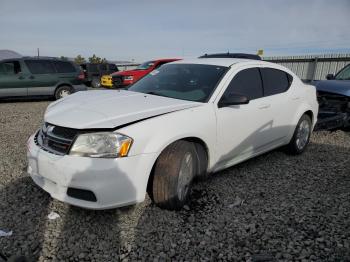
{"x": 40, "y": 66}
{"x": 275, "y": 81}
{"x": 64, "y": 67}
{"x": 113, "y": 68}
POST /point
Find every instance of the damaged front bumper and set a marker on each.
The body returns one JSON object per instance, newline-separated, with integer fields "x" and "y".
{"x": 334, "y": 111}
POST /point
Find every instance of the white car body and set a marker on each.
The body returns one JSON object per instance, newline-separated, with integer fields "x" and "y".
{"x": 230, "y": 134}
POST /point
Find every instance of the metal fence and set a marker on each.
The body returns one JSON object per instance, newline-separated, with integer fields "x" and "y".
{"x": 312, "y": 67}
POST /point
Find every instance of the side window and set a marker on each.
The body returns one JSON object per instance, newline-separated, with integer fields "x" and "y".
{"x": 10, "y": 68}
{"x": 246, "y": 82}
{"x": 113, "y": 67}
{"x": 344, "y": 74}
{"x": 40, "y": 66}
{"x": 64, "y": 67}
{"x": 275, "y": 81}
{"x": 103, "y": 67}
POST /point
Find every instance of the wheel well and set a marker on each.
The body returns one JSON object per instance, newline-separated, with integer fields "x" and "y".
{"x": 310, "y": 114}
{"x": 202, "y": 157}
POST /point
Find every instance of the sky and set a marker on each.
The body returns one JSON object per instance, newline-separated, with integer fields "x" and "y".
{"x": 140, "y": 30}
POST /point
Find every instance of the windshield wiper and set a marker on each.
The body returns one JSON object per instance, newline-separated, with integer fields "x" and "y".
{"x": 155, "y": 94}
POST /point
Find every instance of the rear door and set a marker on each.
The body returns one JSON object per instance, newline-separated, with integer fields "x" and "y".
{"x": 43, "y": 76}
{"x": 14, "y": 80}
{"x": 283, "y": 103}
{"x": 67, "y": 72}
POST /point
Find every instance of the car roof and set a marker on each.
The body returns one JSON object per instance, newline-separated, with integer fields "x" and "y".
{"x": 41, "y": 58}
{"x": 166, "y": 60}
{"x": 217, "y": 61}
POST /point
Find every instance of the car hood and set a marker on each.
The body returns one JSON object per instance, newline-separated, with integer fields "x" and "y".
{"x": 110, "y": 108}
{"x": 340, "y": 87}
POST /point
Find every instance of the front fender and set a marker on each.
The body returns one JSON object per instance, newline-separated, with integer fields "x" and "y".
{"x": 155, "y": 134}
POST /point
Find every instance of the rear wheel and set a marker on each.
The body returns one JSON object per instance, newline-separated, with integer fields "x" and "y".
{"x": 117, "y": 82}
{"x": 173, "y": 175}
{"x": 63, "y": 91}
{"x": 95, "y": 83}
{"x": 301, "y": 136}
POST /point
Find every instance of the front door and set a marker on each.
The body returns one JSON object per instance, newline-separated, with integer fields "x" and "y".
{"x": 244, "y": 130}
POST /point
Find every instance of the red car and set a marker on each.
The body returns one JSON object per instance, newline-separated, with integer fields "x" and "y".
{"x": 128, "y": 77}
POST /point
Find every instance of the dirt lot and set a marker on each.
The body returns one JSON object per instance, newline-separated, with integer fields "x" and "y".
{"x": 291, "y": 208}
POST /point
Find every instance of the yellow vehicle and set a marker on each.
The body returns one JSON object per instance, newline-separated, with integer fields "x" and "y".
{"x": 106, "y": 81}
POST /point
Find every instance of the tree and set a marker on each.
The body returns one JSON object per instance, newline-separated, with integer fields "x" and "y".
{"x": 79, "y": 60}
{"x": 63, "y": 58}
{"x": 95, "y": 59}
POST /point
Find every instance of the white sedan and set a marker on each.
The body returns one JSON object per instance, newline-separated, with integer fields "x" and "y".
{"x": 105, "y": 149}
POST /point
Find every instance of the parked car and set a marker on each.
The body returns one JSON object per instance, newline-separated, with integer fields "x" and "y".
{"x": 185, "y": 119}
{"x": 334, "y": 101}
{"x": 128, "y": 77}
{"x": 94, "y": 72}
{"x": 32, "y": 76}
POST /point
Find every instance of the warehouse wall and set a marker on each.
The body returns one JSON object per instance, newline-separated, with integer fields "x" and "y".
{"x": 312, "y": 67}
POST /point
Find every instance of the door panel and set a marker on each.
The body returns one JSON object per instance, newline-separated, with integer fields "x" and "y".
{"x": 13, "y": 82}
{"x": 243, "y": 131}
{"x": 42, "y": 84}
{"x": 283, "y": 105}
{"x": 43, "y": 76}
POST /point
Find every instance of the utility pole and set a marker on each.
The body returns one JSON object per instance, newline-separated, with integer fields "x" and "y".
{"x": 38, "y": 52}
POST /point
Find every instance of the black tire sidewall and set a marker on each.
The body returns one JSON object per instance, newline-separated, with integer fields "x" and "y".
{"x": 166, "y": 175}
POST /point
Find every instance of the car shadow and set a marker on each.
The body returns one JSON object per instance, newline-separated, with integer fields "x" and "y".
{"x": 26, "y": 99}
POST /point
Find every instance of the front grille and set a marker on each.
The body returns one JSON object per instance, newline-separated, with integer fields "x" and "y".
{"x": 55, "y": 139}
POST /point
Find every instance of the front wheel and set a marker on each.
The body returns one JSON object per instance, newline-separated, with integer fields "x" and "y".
{"x": 173, "y": 175}
{"x": 301, "y": 136}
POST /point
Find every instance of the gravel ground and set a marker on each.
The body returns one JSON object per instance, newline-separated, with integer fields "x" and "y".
{"x": 274, "y": 207}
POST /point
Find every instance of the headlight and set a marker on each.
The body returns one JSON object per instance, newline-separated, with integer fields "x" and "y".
{"x": 128, "y": 78}
{"x": 103, "y": 144}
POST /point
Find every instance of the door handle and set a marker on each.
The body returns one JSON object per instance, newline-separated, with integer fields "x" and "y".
{"x": 31, "y": 77}
{"x": 264, "y": 106}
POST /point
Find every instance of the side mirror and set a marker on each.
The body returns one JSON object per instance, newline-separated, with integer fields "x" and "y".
{"x": 233, "y": 99}
{"x": 330, "y": 76}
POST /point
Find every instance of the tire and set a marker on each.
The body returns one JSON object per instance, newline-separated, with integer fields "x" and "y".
{"x": 301, "y": 136}
{"x": 63, "y": 91}
{"x": 173, "y": 175}
{"x": 118, "y": 83}
{"x": 96, "y": 83}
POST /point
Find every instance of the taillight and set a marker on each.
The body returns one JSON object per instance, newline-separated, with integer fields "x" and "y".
{"x": 81, "y": 75}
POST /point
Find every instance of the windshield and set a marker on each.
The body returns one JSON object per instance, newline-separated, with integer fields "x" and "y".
{"x": 182, "y": 81}
{"x": 145, "y": 65}
{"x": 344, "y": 74}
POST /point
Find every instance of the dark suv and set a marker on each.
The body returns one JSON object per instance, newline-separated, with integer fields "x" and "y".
{"x": 29, "y": 76}
{"x": 94, "y": 72}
